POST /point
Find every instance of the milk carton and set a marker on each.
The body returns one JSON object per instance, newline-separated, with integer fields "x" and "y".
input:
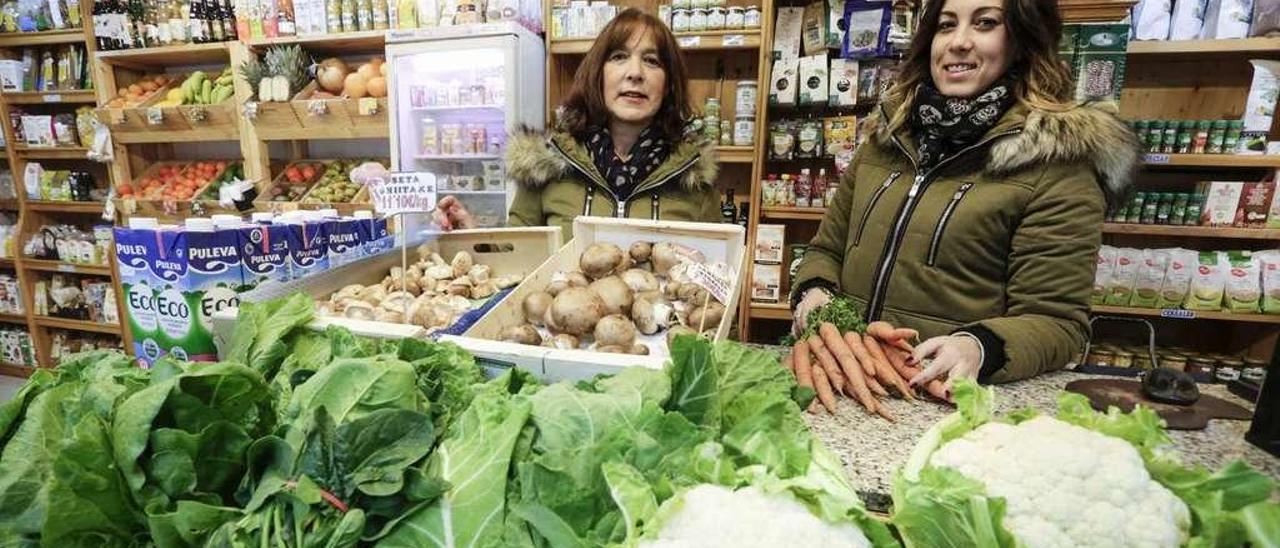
{"x": 308, "y": 243}
{"x": 135, "y": 246}
{"x": 264, "y": 251}
{"x": 345, "y": 244}
{"x": 377, "y": 239}
{"x": 213, "y": 280}
{"x": 174, "y": 316}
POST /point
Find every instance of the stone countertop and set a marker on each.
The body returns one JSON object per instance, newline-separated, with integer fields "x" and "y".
{"x": 872, "y": 449}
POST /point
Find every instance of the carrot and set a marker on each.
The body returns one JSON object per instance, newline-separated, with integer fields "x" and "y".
{"x": 876, "y": 388}
{"x": 843, "y": 354}
{"x": 892, "y": 336}
{"x": 885, "y": 370}
{"x": 828, "y": 363}
{"x": 804, "y": 371}
{"x": 897, "y": 358}
{"x": 854, "y": 340}
{"x": 789, "y": 363}
{"x": 823, "y": 386}
{"x": 883, "y": 412}
{"x": 860, "y": 390}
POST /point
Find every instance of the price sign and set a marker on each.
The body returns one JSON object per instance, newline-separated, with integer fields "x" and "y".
{"x": 731, "y": 40}
{"x": 1177, "y": 314}
{"x": 718, "y": 286}
{"x": 689, "y": 41}
{"x": 66, "y": 268}
{"x": 155, "y": 116}
{"x": 413, "y": 192}
{"x": 1157, "y": 158}
{"x": 53, "y": 98}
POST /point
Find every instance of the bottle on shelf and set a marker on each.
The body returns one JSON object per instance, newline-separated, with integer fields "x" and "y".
{"x": 99, "y": 29}
{"x": 123, "y": 25}
{"x": 150, "y": 23}
{"x": 137, "y": 24}
{"x": 744, "y": 214}
{"x": 214, "y": 15}
{"x": 177, "y": 21}
{"x": 286, "y": 24}
{"x": 229, "y": 24}
{"x": 728, "y": 211}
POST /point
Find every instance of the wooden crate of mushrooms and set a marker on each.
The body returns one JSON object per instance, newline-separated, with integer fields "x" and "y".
{"x": 614, "y": 296}
{"x": 447, "y": 278}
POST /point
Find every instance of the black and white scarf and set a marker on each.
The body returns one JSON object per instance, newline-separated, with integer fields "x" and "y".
{"x": 649, "y": 151}
{"x": 944, "y": 125}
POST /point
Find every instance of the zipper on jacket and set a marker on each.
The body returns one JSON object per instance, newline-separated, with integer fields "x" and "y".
{"x": 942, "y": 222}
{"x": 880, "y": 284}
{"x": 875, "y": 197}
{"x": 620, "y": 210}
{"x": 586, "y": 203}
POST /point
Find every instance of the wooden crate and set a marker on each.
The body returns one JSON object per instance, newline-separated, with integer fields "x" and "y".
{"x": 719, "y": 242}
{"x": 273, "y": 115}
{"x": 219, "y": 119}
{"x": 262, "y": 199}
{"x": 133, "y": 119}
{"x": 320, "y": 114}
{"x": 360, "y": 120}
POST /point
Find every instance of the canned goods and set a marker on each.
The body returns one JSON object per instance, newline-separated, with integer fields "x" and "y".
{"x": 747, "y": 94}
{"x": 698, "y": 20}
{"x": 744, "y": 130}
{"x": 680, "y": 20}
{"x": 751, "y": 18}
{"x": 735, "y": 18}
{"x": 715, "y": 19}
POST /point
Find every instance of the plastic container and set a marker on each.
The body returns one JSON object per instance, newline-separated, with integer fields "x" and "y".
{"x": 1186, "y": 134}
{"x": 1231, "y": 143}
{"x": 1169, "y": 140}
{"x": 1200, "y": 141}
{"x": 1217, "y": 137}
{"x": 1155, "y": 135}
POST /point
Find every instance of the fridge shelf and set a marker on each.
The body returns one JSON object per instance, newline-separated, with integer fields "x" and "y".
{"x": 478, "y": 192}
{"x": 458, "y": 157}
{"x": 459, "y": 108}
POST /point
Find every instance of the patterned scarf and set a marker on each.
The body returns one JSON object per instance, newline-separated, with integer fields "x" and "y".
{"x": 650, "y": 150}
{"x": 944, "y": 125}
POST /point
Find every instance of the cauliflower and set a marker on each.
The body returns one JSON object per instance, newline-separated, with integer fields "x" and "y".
{"x": 1067, "y": 486}
{"x": 711, "y": 516}
{"x": 1080, "y": 478}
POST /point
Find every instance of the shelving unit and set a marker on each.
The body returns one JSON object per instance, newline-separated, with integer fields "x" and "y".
{"x": 1180, "y": 314}
{"x": 1232, "y": 161}
{"x": 1272, "y": 235}
{"x": 33, "y": 213}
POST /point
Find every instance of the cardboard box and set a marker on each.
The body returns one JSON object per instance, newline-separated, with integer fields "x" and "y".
{"x": 784, "y": 82}
{"x": 843, "y": 89}
{"x": 766, "y": 283}
{"x": 770, "y": 240}
{"x": 1222, "y": 199}
{"x": 813, "y": 79}
{"x": 1255, "y": 203}
{"x": 718, "y": 243}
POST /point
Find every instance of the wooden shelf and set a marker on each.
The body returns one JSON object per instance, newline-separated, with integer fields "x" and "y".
{"x": 794, "y": 213}
{"x": 14, "y": 370}
{"x": 230, "y": 133}
{"x": 77, "y": 325}
{"x": 13, "y": 318}
{"x": 6, "y": 262}
{"x": 341, "y": 43}
{"x": 712, "y": 40}
{"x": 9, "y": 205}
{"x": 52, "y": 153}
{"x": 77, "y": 96}
{"x": 1193, "y": 231}
{"x": 43, "y": 38}
{"x": 735, "y": 155}
{"x": 65, "y": 207}
{"x": 186, "y": 54}
{"x": 1237, "y": 48}
{"x": 69, "y": 268}
{"x": 305, "y": 134}
{"x": 1212, "y": 160}
{"x": 770, "y": 311}
{"x": 1179, "y": 314}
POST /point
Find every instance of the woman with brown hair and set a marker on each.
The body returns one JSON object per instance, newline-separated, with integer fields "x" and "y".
{"x": 621, "y": 147}
{"x": 973, "y": 209}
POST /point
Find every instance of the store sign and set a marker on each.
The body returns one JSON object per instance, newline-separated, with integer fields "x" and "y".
{"x": 717, "y": 285}
{"x": 413, "y": 192}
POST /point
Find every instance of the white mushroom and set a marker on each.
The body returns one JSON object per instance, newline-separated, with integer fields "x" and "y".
{"x": 600, "y": 260}
{"x": 638, "y": 349}
{"x": 399, "y": 300}
{"x": 615, "y": 294}
{"x": 651, "y": 316}
{"x": 562, "y": 280}
{"x": 352, "y": 290}
{"x": 576, "y": 311}
{"x": 640, "y": 252}
{"x": 563, "y": 341}
{"x": 440, "y": 272}
{"x": 706, "y": 317}
{"x": 461, "y": 263}
{"x": 640, "y": 280}
{"x": 359, "y": 311}
{"x": 460, "y": 287}
{"x": 373, "y": 294}
{"x": 389, "y": 316}
{"x": 509, "y": 280}
{"x": 667, "y": 254}
{"x": 483, "y": 289}
{"x": 480, "y": 272}
{"x": 615, "y": 329}
{"x": 522, "y": 334}
{"x": 535, "y": 307}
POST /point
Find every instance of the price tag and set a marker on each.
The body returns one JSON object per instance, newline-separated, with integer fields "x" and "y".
{"x": 317, "y": 107}
{"x": 53, "y": 98}
{"x": 689, "y": 41}
{"x": 1177, "y": 314}
{"x": 403, "y": 193}
{"x": 733, "y": 40}
{"x": 66, "y": 268}
{"x": 368, "y": 106}
{"x": 195, "y": 114}
{"x": 155, "y": 116}
{"x": 717, "y": 285}
{"x": 1156, "y": 159}
{"x": 251, "y": 110}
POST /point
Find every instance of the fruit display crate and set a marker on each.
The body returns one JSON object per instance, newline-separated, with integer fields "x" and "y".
{"x": 177, "y": 112}
{"x": 134, "y": 200}
{"x": 300, "y": 175}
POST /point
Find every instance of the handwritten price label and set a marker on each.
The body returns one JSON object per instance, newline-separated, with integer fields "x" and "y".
{"x": 66, "y": 268}
{"x": 733, "y": 40}
{"x": 1177, "y": 314}
{"x": 413, "y": 192}
{"x": 718, "y": 286}
{"x": 53, "y": 98}
{"x": 689, "y": 41}
{"x": 1157, "y": 158}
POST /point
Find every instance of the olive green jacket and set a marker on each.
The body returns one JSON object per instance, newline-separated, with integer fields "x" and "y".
{"x": 1004, "y": 234}
{"x": 559, "y": 181}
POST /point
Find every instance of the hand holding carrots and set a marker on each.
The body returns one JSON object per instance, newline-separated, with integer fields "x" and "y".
{"x": 864, "y": 366}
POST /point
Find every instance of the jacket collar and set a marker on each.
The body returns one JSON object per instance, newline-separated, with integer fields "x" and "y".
{"x": 535, "y": 158}
{"x": 1089, "y": 132}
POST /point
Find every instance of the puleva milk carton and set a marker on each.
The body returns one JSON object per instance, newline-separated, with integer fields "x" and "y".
{"x": 308, "y": 243}
{"x": 345, "y": 243}
{"x": 377, "y": 238}
{"x": 264, "y": 250}
{"x": 213, "y": 280}
{"x": 174, "y": 316}
{"x": 136, "y": 245}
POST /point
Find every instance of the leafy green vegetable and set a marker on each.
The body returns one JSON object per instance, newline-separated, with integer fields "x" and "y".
{"x": 841, "y": 311}
{"x": 260, "y": 337}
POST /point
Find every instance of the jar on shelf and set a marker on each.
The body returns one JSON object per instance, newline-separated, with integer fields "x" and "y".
{"x": 1255, "y": 370}
{"x": 1200, "y": 141}
{"x": 734, "y": 17}
{"x": 1169, "y": 141}
{"x": 715, "y": 19}
{"x": 1102, "y": 358}
{"x": 1231, "y": 143}
{"x": 1155, "y": 135}
{"x": 1176, "y": 362}
{"x": 698, "y": 20}
{"x": 751, "y": 19}
{"x": 1228, "y": 370}
{"x": 1122, "y": 358}
{"x": 1202, "y": 365}
{"x": 1217, "y": 137}
{"x": 680, "y": 20}
{"x": 1186, "y": 134}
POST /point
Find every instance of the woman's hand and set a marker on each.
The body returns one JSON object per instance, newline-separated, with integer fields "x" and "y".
{"x": 813, "y": 298}
{"x": 954, "y": 356}
{"x": 450, "y": 214}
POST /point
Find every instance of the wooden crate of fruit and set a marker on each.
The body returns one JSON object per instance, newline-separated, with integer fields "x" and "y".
{"x": 160, "y": 113}
{"x": 291, "y": 184}
{"x": 210, "y": 104}
{"x": 320, "y": 110}
{"x": 119, "y": 114}
{"x": 336, "y": 185}
{"x": 367, "y": 112}
{"x": 274, "y": 81}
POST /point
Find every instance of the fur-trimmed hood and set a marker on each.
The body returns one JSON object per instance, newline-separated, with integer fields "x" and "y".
{"x": 534, "y": 159}
{"x": 1089, "y": 132}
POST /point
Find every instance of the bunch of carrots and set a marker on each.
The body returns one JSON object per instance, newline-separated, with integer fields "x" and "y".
{"x": 862, "y": 366}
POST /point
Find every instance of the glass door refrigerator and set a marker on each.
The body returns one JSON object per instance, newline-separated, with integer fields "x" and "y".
{"x": 456, "y": 93}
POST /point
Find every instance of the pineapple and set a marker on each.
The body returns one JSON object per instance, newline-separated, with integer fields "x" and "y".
{"x": 288, "y": 65}
{"x": 253, "y": 73}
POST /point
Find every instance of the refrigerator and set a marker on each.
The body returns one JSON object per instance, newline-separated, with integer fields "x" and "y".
{"x": 456, "y": 93}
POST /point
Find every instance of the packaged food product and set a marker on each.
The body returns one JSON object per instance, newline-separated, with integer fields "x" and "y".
{"x": 785, "y": 78}
{"x": 1226, "y": 19}
{"x": 1187, "y": 19}
{"x": 809, "y": 138}
{"x": 1150, "y": 278}
{"x": 1151, "y": 19}
{"x": 1255, "y": 203}
{"x": 867, "y": 29}
{"x": 787, "y": 33}
{"x": 868, "y": 81}
{"x": 813, "y": 80}
{"x": 1266, "y": 18}
{"x": 1102, "y": 274}
{"x": 1269, "y": 271}
{"x": 769, "y": 243}
{"x": 1177, "y": 278}
{"x": 1260, "y": 105}
{"x": 1222, "y": 199}
{"x": 839, "y": 133}
{"x": 1124, "y": 276}
{"x": 1208, "y": 282}
{"x": 1244, "y": 283}
{"x": 766, "y": 282}
{"x": 782, "y": 140}
{"x": 843, "y": 90}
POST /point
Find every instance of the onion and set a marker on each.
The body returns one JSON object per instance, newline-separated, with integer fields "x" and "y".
{"x": 355, "y": 86}
{"x": 331, "y": 74}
